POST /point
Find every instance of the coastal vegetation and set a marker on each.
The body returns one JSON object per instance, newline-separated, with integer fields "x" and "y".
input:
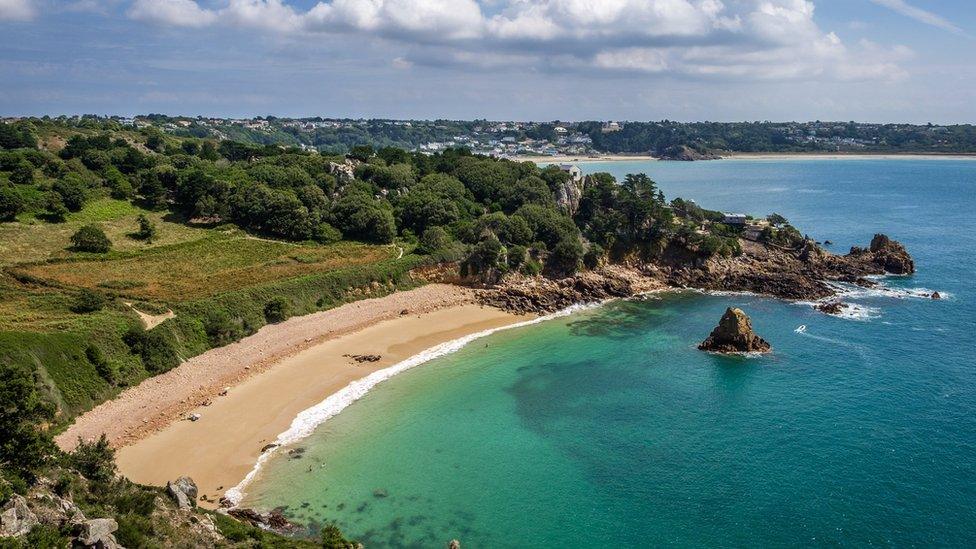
{"x": 105, "y": 225}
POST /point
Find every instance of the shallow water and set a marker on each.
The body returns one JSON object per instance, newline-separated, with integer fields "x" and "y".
{"x": 609, "y": 427}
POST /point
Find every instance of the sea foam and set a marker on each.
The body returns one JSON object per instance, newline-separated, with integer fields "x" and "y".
{"x": 308, "y": 420}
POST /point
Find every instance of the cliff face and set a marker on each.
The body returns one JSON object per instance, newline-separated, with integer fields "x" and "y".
{"x": 734, "y": 335}
{"x": 569, "y": 195}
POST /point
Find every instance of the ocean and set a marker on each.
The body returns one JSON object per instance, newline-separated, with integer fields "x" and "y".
{"x": 607, "y": 427}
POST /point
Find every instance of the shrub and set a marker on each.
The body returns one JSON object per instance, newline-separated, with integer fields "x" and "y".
{"x": 91, "y": 238}
{"x": 72, "y": 191}
{"x": 433, "y": 239}
{"x": 154, "y": 347}
{"x": 276, "y": 310}
{"x": 102, "y": 366}
{"x": 56, "y": 211}
{"x": 221, "y": 328}
{"x": 327, "y": 234}
{"x": 23, "y": 173}
{"x": 94, "y": 460}
{"x": 565, "y": 258}
{"x": 147, "y": 229}
{"x": 88, "y": 301}
{"x": 11, "y": 204}
{"x": 516, "y": 256}
{"x": 593, "y": 256}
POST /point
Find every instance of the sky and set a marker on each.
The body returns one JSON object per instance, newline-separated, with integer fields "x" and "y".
{"x": 689, "y": 60}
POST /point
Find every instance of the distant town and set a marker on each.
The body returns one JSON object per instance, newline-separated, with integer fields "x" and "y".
{"x": 508, "y": 139}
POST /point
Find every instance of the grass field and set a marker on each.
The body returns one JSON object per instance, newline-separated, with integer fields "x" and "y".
{"x": 206, "y": 267}
{"x": 194, "y": 271}
{"x": 32, "y": 239}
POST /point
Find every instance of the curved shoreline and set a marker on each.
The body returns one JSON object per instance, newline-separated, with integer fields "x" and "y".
{"x": 311, "y": 418}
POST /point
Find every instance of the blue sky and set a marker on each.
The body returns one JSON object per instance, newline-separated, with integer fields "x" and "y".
{"x": 866, "y": 60}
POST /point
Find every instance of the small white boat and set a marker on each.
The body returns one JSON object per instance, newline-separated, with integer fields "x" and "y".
{"x": 801, "y": 329}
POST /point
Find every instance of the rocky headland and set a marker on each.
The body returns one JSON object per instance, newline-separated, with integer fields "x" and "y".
{"x": 734, "y": 334}
{"x": 799, "y": 273}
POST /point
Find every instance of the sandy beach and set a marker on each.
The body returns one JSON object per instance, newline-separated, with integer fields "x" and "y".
{"x": 748, "y": 156}
{"x": 272, "y": 376}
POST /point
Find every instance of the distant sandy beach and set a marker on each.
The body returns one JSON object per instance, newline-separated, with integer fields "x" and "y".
{"x": 748, "y": 156}
{"x": 272, "y": 376}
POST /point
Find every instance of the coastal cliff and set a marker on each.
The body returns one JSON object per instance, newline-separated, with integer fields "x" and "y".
{"x": 797, "y": 273}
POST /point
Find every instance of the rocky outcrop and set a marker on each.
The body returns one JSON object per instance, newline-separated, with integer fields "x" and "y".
{"x": 569, "y": 194}
{"x": 184, "y": 491}
{"x": 16, "y": 519}
{"x": 886, "y": 254}
{"x": 274, "y": 520}
{"x": 98, "y": 533}
{"x": 685, "y": 153}
{"x": 734, "y": 335}
{"x": 521, "y": 294}
{"x": 830, "y": 307}
{"x": 345, "y": 172}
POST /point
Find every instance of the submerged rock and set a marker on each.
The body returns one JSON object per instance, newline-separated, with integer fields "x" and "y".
{"x": 734, "y": 335}
{"x": 830, "y": 307}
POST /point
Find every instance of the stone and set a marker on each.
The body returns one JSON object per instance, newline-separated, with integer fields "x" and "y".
{"x": 99, "y": 533}
{"x": 16, "y": 519}
{"x": 830, "y": 307}
{"x": 184, "y": 491}
{"x": 454, "y": 544}
{"x": 936, "y": 295}
{"x": 734, "y": 335}
{"x": 193, "y": 417}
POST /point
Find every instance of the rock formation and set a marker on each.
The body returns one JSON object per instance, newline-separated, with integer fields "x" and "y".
{"x": 734, "y": 335}
{"x": 16, "y": 519}
{"x": 686, "y": 154}
{"x": 184, "y": 491}
{"x": 830, "y": 307}
{"x": 569, "y": 194}
{"x": 98, "y": 533}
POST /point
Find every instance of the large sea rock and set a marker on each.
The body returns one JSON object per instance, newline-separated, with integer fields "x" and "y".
{"x": 734, "y": 335}
{"x": 184, "y": 491}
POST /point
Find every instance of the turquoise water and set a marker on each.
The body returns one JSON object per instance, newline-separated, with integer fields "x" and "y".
{"x": 608, "y": 427}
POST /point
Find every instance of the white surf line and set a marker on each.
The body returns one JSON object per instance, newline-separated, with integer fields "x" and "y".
{"x": 308, "y": 420}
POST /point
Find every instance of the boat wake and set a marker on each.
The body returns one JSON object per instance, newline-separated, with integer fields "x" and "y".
{"x": 308, "y": 420}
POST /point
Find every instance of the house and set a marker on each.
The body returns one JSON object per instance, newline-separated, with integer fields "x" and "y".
{"x": 573, "y": 170}
{"x": 735, "y": 219}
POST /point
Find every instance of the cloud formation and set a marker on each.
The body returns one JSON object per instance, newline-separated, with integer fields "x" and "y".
{"x": 765, "y": 39}
{"x": 17, "y": 10}
{"x": 918, "y": 14}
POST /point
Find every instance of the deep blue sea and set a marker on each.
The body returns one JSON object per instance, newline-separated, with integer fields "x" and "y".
{"x": 607, "y": 428}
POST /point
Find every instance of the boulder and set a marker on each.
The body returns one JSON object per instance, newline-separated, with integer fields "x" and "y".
{"x": 830, "y": 307}
{"x": 16, "y": 519}
{"x": 99, "y": 533}
{"x": 184, "y": 491}
{"x": 734, "y": 335}
{"x": 454, "y": 544}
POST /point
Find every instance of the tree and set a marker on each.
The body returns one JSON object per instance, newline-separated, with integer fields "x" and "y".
{"x": 434, "y": 239}
{"x": 11, "y": 203}
{"x": 566, "y": 256}
{"x": 55, "y": 210}
{"x": 73, "y": 191}
{"x": 147, "y": 229}
{"x": 23, "y": 173}
{"x": 359, "y": 215}
{"x": 25, "y": 447}
{"x": 776, "y": 220}
{"x": 361, "y": 153}
{"x": 91, "y": 238}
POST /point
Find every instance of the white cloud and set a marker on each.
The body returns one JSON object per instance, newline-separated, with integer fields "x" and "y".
{"x": 17, "y": 10}
{"x": 180, "y": 13}
{"x": 761, "y": 39}
{"x": 918, "y": 14}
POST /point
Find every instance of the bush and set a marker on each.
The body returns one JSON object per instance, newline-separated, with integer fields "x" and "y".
{"x": 56, "y": 211}
{"x": 276, "y": 310}
{"x": 101, "y": 364}
{"x": 88, "y": 301}
{"x": 147, "y": 229}
{"x": 91, "y": 238}
{"x": 11, "y": 203}
{"x": 154, "y": 347}
{"x": 94, "y": 460}
{"x": 221, "y": 328}
{"x": 516, "y": 256}
{"x": 327, "y": 234}
{"x": 565, "y": 258}
{"x": 433, "y": 240}
{"x": 72, "y": 191}
{"x": 593, "y": 256}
